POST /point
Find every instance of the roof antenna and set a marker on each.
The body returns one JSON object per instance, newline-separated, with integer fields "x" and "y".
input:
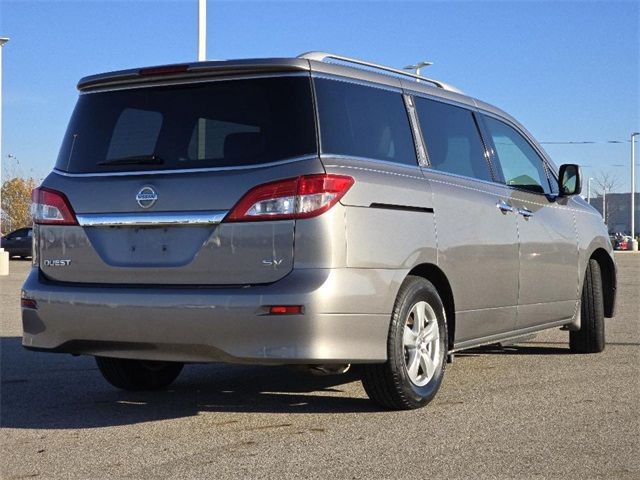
{"x": 418, "y": 67}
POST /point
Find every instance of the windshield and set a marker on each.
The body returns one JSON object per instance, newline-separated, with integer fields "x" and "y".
{"x": 200, "y": 125}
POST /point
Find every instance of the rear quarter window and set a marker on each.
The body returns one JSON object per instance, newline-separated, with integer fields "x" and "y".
{"x": 452, "y": 139}
{"x": 361, "y": 121}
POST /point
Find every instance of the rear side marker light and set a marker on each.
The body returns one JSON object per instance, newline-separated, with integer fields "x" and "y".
{"x": 28, "y": 303}
{"x": 50, "y": 207}
{"x": 301, "y": 197}
{"x": 285, "y": 310}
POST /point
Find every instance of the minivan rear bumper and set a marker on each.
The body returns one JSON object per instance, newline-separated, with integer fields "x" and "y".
{"x": 219, "y": 324}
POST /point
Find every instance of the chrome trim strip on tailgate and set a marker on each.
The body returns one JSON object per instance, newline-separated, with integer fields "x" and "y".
{"x": 150, "y": 219}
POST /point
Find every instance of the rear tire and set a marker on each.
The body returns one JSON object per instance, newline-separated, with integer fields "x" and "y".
{"x": 590, "y": 338}
{"x": 414, "y": 339}
{"x": 138, "y": 374}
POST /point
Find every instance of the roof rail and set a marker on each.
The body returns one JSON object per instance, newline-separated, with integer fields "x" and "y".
{"x": 322, "y": 56}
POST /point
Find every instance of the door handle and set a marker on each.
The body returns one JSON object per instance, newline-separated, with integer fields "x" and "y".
{"x": 525, "y": 212}
{"x": 504, "y": 207}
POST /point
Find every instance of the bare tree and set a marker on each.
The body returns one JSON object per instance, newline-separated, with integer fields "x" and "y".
{"x": 605, "y": 181}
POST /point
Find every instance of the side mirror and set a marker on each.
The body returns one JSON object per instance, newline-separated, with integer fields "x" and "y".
{"x": 570, "y": 180}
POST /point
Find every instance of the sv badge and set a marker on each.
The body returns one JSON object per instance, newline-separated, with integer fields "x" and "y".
{"x": 272, "y": 263}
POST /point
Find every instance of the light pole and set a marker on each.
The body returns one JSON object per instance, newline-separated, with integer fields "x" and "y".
{"x": 634, "y": 242}
{"x": 202, "y": 30}
{"x": 202, "y": 56}
{"x": 11, "y": 158}
{"x": 418, "y": 66}
{"x": 589, "y": 190}
{"x": 4, "y": 256}
{"x": 604, "y": 207}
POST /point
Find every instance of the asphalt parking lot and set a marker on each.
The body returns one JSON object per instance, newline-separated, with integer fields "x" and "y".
{"x": 528, "y": 411}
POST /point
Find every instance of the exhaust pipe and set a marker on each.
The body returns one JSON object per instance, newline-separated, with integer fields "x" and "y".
{"x": 329, "y": 369}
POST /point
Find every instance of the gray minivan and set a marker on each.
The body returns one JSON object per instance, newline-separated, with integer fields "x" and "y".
{"x": 318, "y": 210}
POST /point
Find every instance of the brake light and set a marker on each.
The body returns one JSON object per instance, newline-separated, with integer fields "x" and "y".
{"x": 301, "y": 197}
{"x": 163, "y": 70}
{"x": 50, "y": 207}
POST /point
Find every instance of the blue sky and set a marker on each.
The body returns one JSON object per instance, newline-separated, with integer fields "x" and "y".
{"x": 566, "y": 70}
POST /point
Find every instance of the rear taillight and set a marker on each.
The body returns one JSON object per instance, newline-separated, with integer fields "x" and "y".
{"x": 301, "y": 197}
{"x": 50, "y": 207}
{"x": 28, "y": 303}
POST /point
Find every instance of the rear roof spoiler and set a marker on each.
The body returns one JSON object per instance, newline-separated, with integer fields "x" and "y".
{"x": 193, "y": 70}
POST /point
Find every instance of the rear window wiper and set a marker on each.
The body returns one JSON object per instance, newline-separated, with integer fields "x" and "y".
{"x": 135, "y": 160}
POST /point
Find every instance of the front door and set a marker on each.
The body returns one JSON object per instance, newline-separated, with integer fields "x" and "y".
{"x": 548, "y": 281}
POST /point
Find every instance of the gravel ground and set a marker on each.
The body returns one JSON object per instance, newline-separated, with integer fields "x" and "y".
{"x": 528, "y": 411}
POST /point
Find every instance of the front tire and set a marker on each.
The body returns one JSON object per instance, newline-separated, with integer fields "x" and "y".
{"x": 416, "y": 350}
{"x": 590, "y": 338}
{"x": 138, "y": 374}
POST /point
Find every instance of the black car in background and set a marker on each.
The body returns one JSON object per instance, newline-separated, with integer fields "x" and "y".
{"x": 19, "y": 242}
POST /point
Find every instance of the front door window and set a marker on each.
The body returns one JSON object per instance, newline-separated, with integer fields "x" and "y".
{"x": 521, "y": 166}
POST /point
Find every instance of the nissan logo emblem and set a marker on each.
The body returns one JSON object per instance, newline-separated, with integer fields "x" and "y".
{"x": 146, "y": 197}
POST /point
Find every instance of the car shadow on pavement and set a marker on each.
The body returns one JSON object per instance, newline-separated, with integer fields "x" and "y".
{"x": 58, "y": 391}
{"x": 529, "y": 348}
{"x": 524, "y": 349}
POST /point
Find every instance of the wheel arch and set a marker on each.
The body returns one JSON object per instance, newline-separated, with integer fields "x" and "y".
{"x": 609, "y": 281}
{"x": 435, "y": 275}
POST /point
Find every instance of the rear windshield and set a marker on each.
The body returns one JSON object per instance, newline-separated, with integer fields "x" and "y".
{"x": 202, "y": 125}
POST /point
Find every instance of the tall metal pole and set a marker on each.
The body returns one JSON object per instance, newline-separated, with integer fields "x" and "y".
{"x": 4, "y": 256}
{"x": 634, "y": 242}
{"x": 589, "y": 190}
{"x": 2, "y": 42}
{"x": 202, "y": 30}
{"x": 604, "y": 207}
{"x": 202, "y": 56}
